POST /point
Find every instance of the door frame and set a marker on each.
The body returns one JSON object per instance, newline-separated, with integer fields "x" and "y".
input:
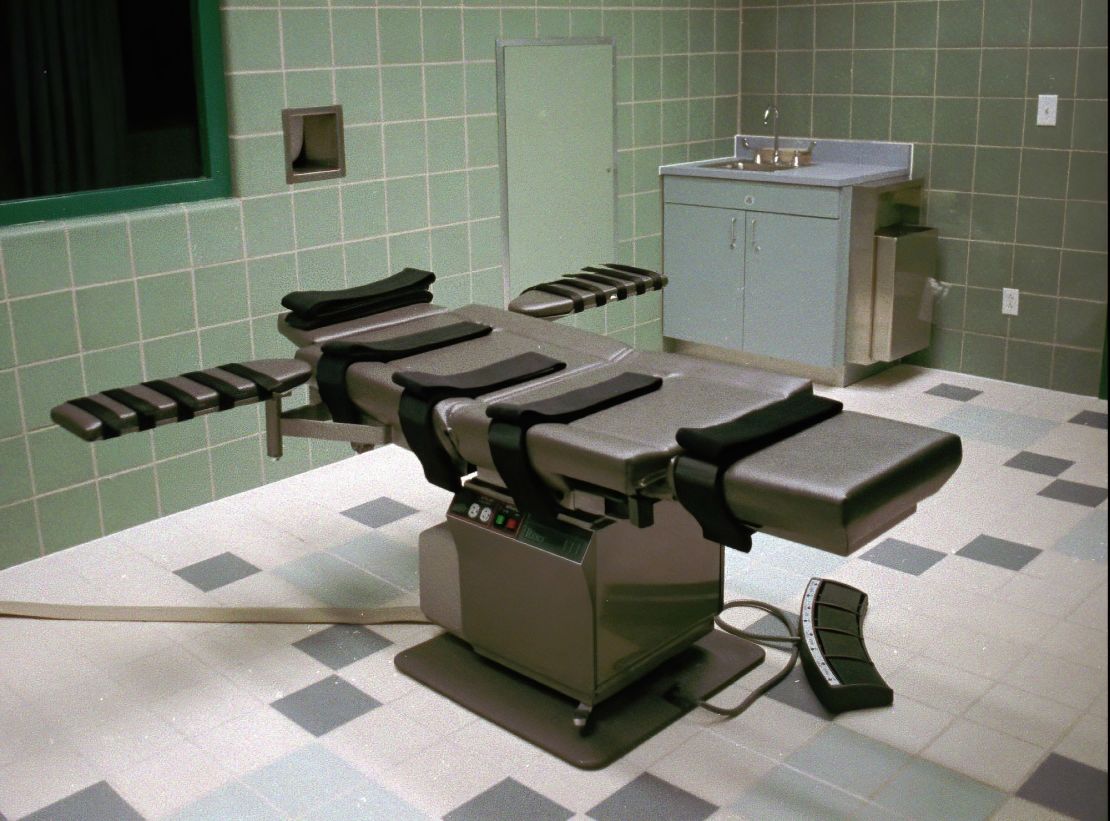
{"x": 502, "y": 138}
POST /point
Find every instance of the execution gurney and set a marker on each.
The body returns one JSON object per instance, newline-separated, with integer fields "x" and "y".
{"x": 594, "y": 486}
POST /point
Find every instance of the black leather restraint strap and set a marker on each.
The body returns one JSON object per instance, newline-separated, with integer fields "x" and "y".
{"x": 114, "y": 424}
{"x": 620, "y": 284}
{"x": 424, "y": 390}
{"x": 338, "y": 356}
{"x": 148, "y": 414}
{"x": 657, "y": 279}
{"x": 228, "y": 392}
{"x": 509, "y": 429}
{"x": 572, "y": 282}
{"x": 188, "y": 405}
{"x": 640, "y": 283}
{"x": 561, "y": 290}
{"x": 712, "y": 450}
{"x": 315, "y": 309}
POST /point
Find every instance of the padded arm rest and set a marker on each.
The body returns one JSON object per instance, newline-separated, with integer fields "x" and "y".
{"x": 729, "y": 442}
{"x": 313, "y": 309}
{"x": 424, "y": 390}
{"x": 141, "y": 407}
{"x": 593, "y": 286}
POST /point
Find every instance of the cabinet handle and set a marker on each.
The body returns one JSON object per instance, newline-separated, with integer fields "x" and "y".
{"x": 732, "y": 236}
{"x": 755, "y": 245}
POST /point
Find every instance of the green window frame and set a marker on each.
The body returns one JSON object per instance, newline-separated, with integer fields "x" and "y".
{"x": 212, "y": 116}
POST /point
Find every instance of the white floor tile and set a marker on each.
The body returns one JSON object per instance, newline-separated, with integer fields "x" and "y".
{"x": 1000, "y": 760}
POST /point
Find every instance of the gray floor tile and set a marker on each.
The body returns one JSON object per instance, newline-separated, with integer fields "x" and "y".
{"x": 870, "y": 763}
{"x": 216, "y": 572}
{"x": 305, "y": 780}
{"x": 1091, "y": 419}
{"x": 995, "y": 427}
{"x": 1068, "y": 787}
{"x": 787, "y": 794}
{"x": 379, "y": 512}
{"x": 336, "y": 582}
{"x": 325, "y": 705}
{"x": 96, "y": 803}
{"x": 509, "y": 800}
{"x": 899, "y": 555}
{"x": 342, "y": 644}
{"x": 395, "y": 562}
{"x": 930, "y": 792}
{"x": 1039, "y": 463}
{"x": 956, "y": 392}
{"x": 229, "y": 801}
{"x": 999, "y": 552}
{"x": 649, "y": 797}
{"x": 795, "y": 691}
{"x": 1075, "y": 492}
{"x": 1087, "y": 540}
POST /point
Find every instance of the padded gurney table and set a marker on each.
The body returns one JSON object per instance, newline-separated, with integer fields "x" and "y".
{"x": 580, "y": 562}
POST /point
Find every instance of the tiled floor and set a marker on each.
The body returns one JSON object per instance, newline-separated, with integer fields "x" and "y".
{"x": 988, "y": 615}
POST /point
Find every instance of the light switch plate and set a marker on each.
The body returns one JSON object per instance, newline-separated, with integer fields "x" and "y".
{"x": 1046, "y": 109}
{"x": 1010, "y": 301}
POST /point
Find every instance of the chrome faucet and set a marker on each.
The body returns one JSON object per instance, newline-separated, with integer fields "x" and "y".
{"x": 767, "y": 115}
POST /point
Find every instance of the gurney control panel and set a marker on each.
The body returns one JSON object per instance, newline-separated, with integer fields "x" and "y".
{"x": 558, "y": 538}
{"x": 483, "y": 510}
{"x": 834, "y": 657}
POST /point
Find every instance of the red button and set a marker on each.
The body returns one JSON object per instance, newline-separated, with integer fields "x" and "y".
{"x": 511, "y": 524}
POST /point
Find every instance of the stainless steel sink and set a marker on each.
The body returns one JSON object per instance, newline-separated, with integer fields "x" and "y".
{"x": 746, "y": 165}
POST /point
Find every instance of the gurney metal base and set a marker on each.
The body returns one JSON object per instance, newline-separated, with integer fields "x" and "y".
{"x": 545, "y": 718}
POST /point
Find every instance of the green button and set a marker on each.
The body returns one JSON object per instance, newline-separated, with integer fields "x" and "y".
{"x": 500, "y": 520}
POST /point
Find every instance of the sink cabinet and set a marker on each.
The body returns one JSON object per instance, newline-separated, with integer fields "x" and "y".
{"x": 756, "y": 267}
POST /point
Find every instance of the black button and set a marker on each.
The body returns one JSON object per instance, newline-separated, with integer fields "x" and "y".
{"x": 856, "y": 672}
{"x": 837, "y": 644}
{"x": 840, "y": 595}
{"x": 838, "y": 619}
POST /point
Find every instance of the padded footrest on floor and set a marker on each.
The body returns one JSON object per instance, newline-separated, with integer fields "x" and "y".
{"x": 592, "y": 287}
{"x": 117, "y": 411}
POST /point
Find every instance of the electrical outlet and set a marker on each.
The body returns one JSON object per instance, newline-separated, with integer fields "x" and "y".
{"x": 1010, "y": 301}
{"x": 1046, "y": 109}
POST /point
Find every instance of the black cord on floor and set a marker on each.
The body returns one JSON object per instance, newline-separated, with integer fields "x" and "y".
{"x": 792, "y": 639}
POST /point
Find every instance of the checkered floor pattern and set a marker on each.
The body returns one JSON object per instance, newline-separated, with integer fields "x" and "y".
{"x": 988, "y": 616}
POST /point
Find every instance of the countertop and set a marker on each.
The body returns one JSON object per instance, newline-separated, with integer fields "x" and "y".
{"x": 837, "y": 163}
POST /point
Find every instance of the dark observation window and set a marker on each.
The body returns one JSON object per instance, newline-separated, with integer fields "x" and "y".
{"x": 97, "y": 94}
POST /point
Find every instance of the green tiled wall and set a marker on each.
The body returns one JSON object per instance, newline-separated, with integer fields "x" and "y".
{"x": 1017, "y": 205}
{"x": 96, "y": 303}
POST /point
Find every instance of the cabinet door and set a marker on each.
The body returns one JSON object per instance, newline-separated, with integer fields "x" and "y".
{"x": 703, "y": 257}
{"x": 790, "y": 288}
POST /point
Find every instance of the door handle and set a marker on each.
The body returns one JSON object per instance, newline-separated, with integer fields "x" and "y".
{"x": 732, "y": 236}
{"x": 755, "y": 245}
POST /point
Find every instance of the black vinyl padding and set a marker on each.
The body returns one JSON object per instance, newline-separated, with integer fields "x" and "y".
{"x": 640, "y": 283}
{"x": 572, "y": 405}
{"x": 338, "y": 356}
{"x": 188, "y": 406}
{"x": 315, "y": 309}
{"x": 149, "y": 415}
{"x": 229, "y": 393}
{"x": 114, "y": 424}
{"x": 431, "y": 387}
{"x": 567, "y": 293}
{"x": 728, "y": 442}
{"x": 423, "y": 390}
{"x": 656, "y": 278}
